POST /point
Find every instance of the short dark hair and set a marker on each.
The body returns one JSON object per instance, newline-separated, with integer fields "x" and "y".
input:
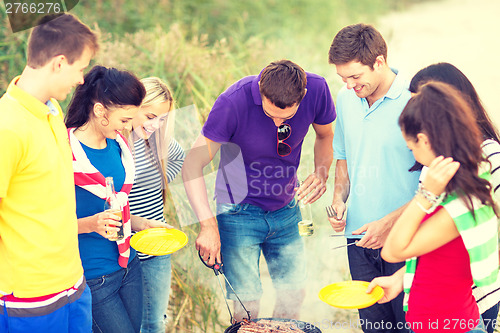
{"x": 110, "y": 87}
{"x": 284, "y": 83}
{"x": 358, "y": 42}
{"x": 61, "y": 34}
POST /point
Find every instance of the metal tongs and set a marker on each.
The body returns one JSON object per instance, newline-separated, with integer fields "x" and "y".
{"x": 217, "y": 267}
{"x": 331, "y": 213}
{"x": 344, "y": 245}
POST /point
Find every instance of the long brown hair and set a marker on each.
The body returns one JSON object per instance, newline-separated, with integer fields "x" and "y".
{"x": 441, "y": 112}
{"x": 447, "y": 73}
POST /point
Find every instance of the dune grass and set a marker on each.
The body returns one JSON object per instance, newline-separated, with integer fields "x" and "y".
{"x": 200, "y": 47}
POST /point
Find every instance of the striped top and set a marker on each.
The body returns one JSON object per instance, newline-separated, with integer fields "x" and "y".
{"x": 489, "y": 296}
{"x": 146, "y": 196}
{"x": 480, "y": 237}
{"x": 491, "y": 150}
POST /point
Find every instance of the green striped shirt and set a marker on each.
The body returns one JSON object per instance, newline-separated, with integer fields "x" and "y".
{"x": 479, "y": 234}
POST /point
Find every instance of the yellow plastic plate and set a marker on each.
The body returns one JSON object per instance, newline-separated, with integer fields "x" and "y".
{"x": 158, "y": 241}
{"x": 350, "y": 295}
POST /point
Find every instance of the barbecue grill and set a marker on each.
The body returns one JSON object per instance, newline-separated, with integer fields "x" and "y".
{"x": 306, "y": 327}
{"x": 218, "y": 270}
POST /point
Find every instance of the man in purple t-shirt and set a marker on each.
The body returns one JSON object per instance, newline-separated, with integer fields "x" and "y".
{"x": 259, "y": 124}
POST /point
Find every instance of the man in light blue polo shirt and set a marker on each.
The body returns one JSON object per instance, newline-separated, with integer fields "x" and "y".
{"x": 372, "y": 161}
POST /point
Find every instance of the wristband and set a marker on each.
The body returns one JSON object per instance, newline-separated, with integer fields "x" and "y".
{"x": 427, "y": 211}
{"x": 435, "y": 200}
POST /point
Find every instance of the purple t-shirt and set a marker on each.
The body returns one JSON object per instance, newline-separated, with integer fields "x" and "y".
{"x": 250, "y": 169}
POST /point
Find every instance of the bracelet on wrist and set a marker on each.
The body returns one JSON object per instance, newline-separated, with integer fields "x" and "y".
{"x": 431, "y": 197}
{"x": 427, "y": 211}
{"x": 434, "y": 200}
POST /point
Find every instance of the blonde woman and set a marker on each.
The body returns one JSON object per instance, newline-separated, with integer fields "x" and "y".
{"x": 158, "y": 159}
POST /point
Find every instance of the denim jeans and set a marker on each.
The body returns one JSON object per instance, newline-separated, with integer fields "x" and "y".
{"x": 156, "y": 286}
{"x": 490, "y": 318}
{"x": 117, "y": 300}
{"x": 365, "y": 265}
{"x": 246, "y": 230}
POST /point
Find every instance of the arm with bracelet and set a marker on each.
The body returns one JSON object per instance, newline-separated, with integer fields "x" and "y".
{"x": 408, "y": 237}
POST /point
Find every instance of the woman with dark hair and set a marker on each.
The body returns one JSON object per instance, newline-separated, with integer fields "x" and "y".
{"x": 448, "y": 232}
{"x": 487, "y": 298}
{"x": 100, "y": 110}
{"x": 447, "y": 73}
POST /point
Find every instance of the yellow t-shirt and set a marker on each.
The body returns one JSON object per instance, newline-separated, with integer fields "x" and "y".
{"x": 38, "y": 226}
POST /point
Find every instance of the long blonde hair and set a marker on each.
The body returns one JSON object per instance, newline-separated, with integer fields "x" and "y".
{"x": 157, "y": 92}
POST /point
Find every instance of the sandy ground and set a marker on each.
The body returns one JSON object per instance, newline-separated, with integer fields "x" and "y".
{"x": 462, "y": 32}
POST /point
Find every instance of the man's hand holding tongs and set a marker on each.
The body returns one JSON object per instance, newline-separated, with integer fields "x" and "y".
{"x": 208, "y": 242}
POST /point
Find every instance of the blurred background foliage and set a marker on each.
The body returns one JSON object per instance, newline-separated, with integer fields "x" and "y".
{"x": 200, "y": 47}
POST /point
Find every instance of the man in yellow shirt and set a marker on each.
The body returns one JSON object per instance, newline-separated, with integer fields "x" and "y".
{"x": 42, "y": 287}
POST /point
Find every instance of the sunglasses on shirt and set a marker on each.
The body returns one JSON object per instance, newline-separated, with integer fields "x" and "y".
{"x": 283, "y": 133}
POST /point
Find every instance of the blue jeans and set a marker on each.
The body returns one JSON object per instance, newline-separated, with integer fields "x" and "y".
{"x": 156, "y": 286}
{"x": 117, "y": 300}
{"x": 365, "y": 265}
{"x": 246, "y": 230}
{"x": 490, "y": 318}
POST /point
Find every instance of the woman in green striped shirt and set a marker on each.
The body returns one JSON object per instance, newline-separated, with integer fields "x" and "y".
{"x": 448, "y": 232}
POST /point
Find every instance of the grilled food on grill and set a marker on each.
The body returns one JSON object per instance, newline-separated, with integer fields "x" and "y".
{"x": 269, "y": 326}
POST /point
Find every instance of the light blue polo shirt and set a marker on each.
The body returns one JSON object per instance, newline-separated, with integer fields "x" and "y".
{"x": 370, "y": 139}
